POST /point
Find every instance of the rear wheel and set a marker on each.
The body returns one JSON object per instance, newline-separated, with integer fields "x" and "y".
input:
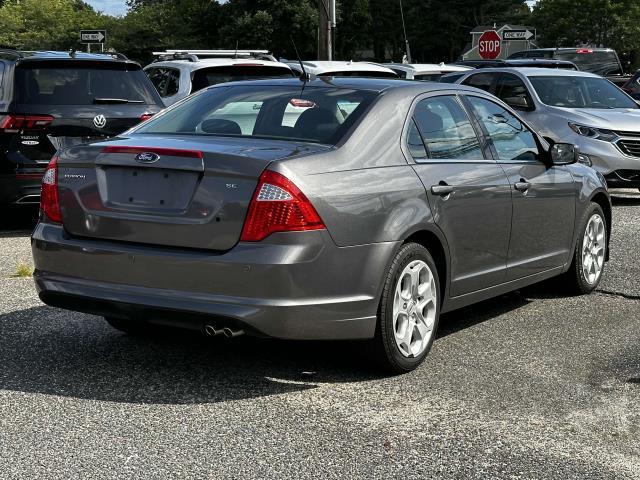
{"x": 590, "y": 252}
{"x": 130, "y": 327}
{"x": 409, "y": 310}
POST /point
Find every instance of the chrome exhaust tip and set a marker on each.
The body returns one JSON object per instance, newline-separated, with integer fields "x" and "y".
{"x": 211, "y": 331}
{"x": 232, "y": 333}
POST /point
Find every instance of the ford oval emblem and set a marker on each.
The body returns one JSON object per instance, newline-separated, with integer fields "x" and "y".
{"x": 147, "y": 157}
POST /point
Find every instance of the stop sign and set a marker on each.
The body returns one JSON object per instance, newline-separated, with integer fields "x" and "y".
{"x": 489, "y": 45}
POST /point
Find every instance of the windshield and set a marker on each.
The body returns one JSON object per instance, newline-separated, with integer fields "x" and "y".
{"x": 206, "y": 77}
{"x": 56, "y": 84}
{"x": 321, "y": 115}
{"x": 580, "y": 92}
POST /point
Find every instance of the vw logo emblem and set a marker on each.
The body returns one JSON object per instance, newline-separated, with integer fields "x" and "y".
{"x": 147, "y": 157}
{"x": 99, "y": 121}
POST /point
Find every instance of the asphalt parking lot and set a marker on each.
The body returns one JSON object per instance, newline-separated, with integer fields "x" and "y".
{"x": 528, "y": 385}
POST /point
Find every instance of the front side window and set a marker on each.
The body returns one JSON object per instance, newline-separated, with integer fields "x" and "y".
{"x": 483, "y": 81}
{"x": 510, "y": 88}
{"x": 321, "y": 115}
{"x": 580, "y": 92}
{"x": 512, "y": 140}
{"x": 446, "y": 129}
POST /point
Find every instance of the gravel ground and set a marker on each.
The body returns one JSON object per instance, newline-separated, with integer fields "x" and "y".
{"x": 529, "y": 385}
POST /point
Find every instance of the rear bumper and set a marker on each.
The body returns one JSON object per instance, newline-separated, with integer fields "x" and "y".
{"x": 297, "y": 286}
{"x": 20, "y": 189}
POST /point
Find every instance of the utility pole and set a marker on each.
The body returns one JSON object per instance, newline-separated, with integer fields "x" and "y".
{"x": 327, "y": 16}
{"x": 404, "y": 29}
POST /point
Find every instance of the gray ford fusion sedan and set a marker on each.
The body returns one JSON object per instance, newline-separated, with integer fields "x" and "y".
{"x": 328, "y": 209}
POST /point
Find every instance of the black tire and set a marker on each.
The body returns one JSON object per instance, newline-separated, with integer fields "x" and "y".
{"x": 130, "y": 327}
{"x": 577, "y": 282}
{"x": 386, "y": 351}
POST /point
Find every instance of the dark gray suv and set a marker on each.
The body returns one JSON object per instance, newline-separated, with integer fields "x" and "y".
{"x": 330, "y": 209}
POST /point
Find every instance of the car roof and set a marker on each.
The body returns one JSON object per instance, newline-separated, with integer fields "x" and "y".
{"x": 549, "y": 61}
{"x": 216, "y": 62}
{"x": 318, "y": 67}
{"x": 63, "y": 55}
{"x": 570, "y": 49}
{"x": 540, "y": 72}
{"x": 427, "y": 67}
{"x": 355, "y": 83}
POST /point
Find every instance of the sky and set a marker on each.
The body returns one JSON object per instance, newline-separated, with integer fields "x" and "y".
{"x": 110, "y": 7}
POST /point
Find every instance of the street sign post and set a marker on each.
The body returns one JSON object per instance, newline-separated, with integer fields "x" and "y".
{"x": 93, "y": 37}
{"x": 489, "y": 45}
{"x": 518, "y": 35}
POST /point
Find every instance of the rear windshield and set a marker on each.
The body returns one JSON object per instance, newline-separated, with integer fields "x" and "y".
{"x": 580, "y": 92}
{"x": 74, "y": 84}
{"x": 602, "y": 63}
{"x": 205, "y": 77}
{"x": 321, "y": 115}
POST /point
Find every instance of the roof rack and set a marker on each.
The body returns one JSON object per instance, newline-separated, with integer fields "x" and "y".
{"x": 195, "y": 55}
{"x": 11, "y": 51}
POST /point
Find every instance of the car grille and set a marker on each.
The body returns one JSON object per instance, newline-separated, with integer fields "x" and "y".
{"x": 627, "y": 134}
{"x": 630, "y": 146}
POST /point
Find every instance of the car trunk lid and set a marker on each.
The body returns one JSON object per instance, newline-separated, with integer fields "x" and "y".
{"x": 179, "y": 191}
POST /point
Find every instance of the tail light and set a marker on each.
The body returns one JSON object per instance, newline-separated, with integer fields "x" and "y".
{"x": 14, "y": 123}
{"x": 49, "y": 200}
{"x": 278, "y": 206}
{"x": 145, "y": 116}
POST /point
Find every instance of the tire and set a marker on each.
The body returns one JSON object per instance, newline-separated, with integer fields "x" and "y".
{"x": 418, "y": 311}
{"x": 578, "y": 280}
{"x": 130, "y": 327}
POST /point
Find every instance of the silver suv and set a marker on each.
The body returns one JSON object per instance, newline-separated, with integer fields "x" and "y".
{"x": 177, "y": 73}
{"x": 573, "y": 107}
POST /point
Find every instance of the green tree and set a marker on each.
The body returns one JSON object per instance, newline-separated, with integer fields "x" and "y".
{"x": 50, "y": 25}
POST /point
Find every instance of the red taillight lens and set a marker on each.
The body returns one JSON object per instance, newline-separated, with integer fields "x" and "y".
{"x": 49, "y": 201}
{"x": 25, "y": 122}
{"x": 145, "y": 116}
{"x": 278, "y": 206}
{"x": 584, "y": 50}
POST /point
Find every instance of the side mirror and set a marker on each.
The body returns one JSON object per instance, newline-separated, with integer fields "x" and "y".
{"x": 564, "y": 154}
{"x": 518, "y": 103}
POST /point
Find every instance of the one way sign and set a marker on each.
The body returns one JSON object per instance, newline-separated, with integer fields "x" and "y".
{"x": 93, "y": 36}
{"x": 518, "y": 35}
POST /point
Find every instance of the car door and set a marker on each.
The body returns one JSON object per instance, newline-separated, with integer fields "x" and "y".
{"x": 544, "y": 195}
{"x": 468, "y": 192}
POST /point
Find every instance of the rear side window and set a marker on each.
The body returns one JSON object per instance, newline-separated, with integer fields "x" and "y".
{"x": 511, "y": 138}
{"x": 205, "y": 77}
{"x": 166, "y": 80}
{"x": 312, "y": 114}
{"x": 446, "y": 129}
{"x": 58, "y": 83}
{"x": 483, "y": 81}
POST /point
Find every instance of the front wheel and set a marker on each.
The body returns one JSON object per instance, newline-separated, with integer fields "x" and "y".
{"x": 590, "y": 252}
{"x": 409, "y": 310}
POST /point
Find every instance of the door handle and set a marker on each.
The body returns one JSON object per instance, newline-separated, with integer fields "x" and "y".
{"x": 442, "y": 190}
{"x": 523, "y": 185}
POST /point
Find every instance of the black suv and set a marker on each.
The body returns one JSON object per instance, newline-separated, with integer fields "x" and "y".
{"x": 601, "y": 61}
{"x": 52, "y": 100}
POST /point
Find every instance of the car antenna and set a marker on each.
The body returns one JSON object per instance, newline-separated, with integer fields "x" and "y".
{"x": 305, "y": 77}
{"x": 72, "y": 52}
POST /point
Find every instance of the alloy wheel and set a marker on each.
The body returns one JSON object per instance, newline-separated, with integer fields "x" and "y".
{"x": 414, "y": 308}
{"x": 593, "y": 249}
